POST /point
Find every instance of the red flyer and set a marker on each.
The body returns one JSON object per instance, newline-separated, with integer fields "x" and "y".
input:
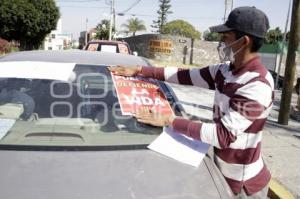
{"x": 137, "y": 94}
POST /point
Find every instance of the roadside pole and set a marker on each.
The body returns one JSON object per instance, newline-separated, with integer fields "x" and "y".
{"x": 192, "y": 51}
{"x": 289, "y": 74}
{"x": 111, "y": 18}
{"x": 298, "y": 103}
{"x": 86, "y": 32}
{"x": 114, "y": 22}
{"x": 282, "y": 47}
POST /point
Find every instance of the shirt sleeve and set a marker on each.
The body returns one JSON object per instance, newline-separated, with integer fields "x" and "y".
{"x": 244, "y": 119}
{"x": 204, "y": 77}
{"x": 205, "y": 132}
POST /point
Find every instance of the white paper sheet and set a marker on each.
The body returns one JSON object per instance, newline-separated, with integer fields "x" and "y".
{"x": 180, "y": 147}
{"x": 37, "y": 70}
{"x": 5, "y": 125}
{"x": 109, "y": 48}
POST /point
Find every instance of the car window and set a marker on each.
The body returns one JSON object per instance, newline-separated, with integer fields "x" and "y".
{"x": 93, "y": 46}
{"x": 109, "y": 48}
{"x": 84, "y": 112}
{"x": 123, "y": 48}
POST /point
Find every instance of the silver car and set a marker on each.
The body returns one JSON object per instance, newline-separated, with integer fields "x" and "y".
{"x": 63, "y": 135}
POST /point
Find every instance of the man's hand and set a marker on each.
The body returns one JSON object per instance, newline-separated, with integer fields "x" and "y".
{"x": 154, "y": 119}
{"x": 127, "y": 71}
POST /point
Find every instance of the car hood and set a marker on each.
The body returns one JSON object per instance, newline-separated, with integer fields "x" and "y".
{"x": 101, "y": 174}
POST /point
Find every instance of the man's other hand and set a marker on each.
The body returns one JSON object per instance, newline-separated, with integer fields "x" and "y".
{"x": 127, "y": 71}
{"x": 154, "y": 119}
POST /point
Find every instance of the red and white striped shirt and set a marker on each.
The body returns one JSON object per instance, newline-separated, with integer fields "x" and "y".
{"x": 243, "y": 100}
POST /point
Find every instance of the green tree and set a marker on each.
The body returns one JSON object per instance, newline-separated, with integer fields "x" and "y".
{"x": 133, "y": 25}
{"x": 211, "y": 36}
{"x": 164, "y": 10}
{"x": 102, "y": 30}
{"x": 27, "y": 21}
{"x": 182, "y": 28}
{"x": 273, "y": 36}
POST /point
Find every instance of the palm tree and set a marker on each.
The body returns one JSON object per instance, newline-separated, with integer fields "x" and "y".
{"x": 133, "y": 25}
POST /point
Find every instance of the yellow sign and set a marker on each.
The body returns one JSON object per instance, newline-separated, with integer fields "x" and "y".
{"x": 161, "y": 46}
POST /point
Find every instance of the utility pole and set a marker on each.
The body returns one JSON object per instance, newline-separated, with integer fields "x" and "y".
{"x": 114, "y": 20}
{"x": 86, "y": 32}
{"x": 192, "y": 50}
{"x": 228, "y": 7}
{"x": 282, "y": 46}
{"x": 112, "y": 8}
{"x": 290, "y": 69}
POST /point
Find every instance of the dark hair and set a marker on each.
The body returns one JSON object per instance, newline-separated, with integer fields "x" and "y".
{"x": 256, "y": 41}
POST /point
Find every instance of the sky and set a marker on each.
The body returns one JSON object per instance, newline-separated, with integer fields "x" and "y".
{"x": 77, "y": 15}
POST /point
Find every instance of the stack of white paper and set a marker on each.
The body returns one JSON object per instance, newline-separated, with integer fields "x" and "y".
{"x": 179, "y": 147}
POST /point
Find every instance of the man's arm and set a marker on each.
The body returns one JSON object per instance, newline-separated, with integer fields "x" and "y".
{"x": 244, "y": 119}
{"x": 204, "y": 77}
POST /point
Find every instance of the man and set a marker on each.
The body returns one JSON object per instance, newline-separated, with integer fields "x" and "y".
{"x": 243, "y": 100}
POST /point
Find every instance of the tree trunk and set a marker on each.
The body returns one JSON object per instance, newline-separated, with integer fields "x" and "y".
{"x": 25, "y": 45}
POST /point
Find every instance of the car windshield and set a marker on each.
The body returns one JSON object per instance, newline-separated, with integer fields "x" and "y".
{"x": 81, "y": 112}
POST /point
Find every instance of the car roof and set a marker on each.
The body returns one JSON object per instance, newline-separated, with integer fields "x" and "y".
{"x": 107, "y": 41}
{"x": 77, "y": 56}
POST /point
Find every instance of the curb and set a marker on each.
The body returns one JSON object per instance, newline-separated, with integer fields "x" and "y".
{"x": 277, "y": 191}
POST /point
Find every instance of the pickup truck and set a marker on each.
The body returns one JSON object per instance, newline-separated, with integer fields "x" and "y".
{"x": 109, "y": 46}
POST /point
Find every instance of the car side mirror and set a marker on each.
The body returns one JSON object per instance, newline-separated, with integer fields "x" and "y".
{"x": 135, "y": 53}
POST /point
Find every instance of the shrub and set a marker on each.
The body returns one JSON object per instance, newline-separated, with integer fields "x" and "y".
{"x": 7, "y": 47}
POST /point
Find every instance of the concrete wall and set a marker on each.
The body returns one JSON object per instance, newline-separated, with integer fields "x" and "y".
{"x": 205, "y": 53}
{"x": 174, "y": 49}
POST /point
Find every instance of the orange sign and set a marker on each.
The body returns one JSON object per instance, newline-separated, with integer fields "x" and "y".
{"x": 137, "y": 94}
{"x": 161, "y": 46}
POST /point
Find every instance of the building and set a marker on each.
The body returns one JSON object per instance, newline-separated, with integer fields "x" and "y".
{"x": 57, "y": 40}
{"x": 87, "y": 36}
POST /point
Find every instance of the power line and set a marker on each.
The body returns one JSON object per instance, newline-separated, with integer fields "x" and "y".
{"x": 182, "y": 17}
{"x": 134, "y": 4}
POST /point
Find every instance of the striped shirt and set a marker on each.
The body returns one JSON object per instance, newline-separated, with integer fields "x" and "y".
{"x": 243, "y": 100}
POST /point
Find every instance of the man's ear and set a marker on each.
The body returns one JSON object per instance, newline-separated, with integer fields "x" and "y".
{"x": 247, "y": 40}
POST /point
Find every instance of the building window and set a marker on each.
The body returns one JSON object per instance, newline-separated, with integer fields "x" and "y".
{"x": 53, "y": 36}
{"x": 49, "y": 48}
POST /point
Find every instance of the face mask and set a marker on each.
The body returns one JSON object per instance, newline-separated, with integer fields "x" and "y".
{"x": 225, "y": 51}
